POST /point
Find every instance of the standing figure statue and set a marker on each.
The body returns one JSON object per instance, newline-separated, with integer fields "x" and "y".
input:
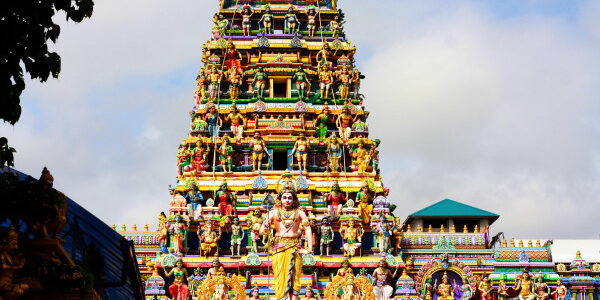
{"x": 382, "y": 277}
{"x": 291, "y": 22}
{"x": 335, "y": 200}
{"x": 485, "y": 288}
{"x": 209, "y": 236}
{"x": 11, "y": 262}
{"x": 320, "y": 123}
{"x": 352, "y": 238}
{"x": 541, "y": 288}
{"x": 364, "y": 199}
{"x": 525, "y": 286}
{"x": 200, "y": 93}
{"x": 233, "y": 58}
{"x": 288, "y": 221}
{"x": 225, "y": 153}
{"x": 214, "y": 79}
{"x": 163, "y": 233}
{"x": 445, "y": 290}
{"x": 221, "y": 24}
{"x": 311, "y": 14}
{"x": 381, "y": 204}
{"x": 356, "y": 77}
{"x": 301, "y": 148}
{"x": 178, "y": 290}
{"x": 302, "y": 83}
{"x": 502, "y": 290}
{"x": 226, "y": 200}
{"x": 326, "y": 236}
{"x": 216, "y": 269}
{"x": 259, "y": 82}
{"x": 334, "y": 151}
{"x": 344, "y": 124}
{"x": 397, "y": 234}
{"x": 254, "y": 222}
{"x": 246, "y": 13}
{"x": 237, "y": 235}
{"x": 382, "y": 228}
{"x": 267, "y": 20}
{"x": 560, "y": 293}
{"x": 361, "y": 157}
{"x": 427, "y": 289}
{"x": 238, "y": 122}
{"x": 258, "y": 149}
{"x": 200, "y": 153}
{"x": 326, "y": 78}
{"x": 214, "y": 122}
{"x": 184, "y": 159}
{"x": 344, "y": 77}
{"x": 234, "y": 76}
{"x": 178, "y": 234}
{"x": 466, "y": 289}
{"x": 336, "y": 26}
{"x": 195, "y": 200}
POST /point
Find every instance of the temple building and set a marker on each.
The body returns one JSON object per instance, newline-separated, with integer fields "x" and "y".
{"x": 278, "y": 110}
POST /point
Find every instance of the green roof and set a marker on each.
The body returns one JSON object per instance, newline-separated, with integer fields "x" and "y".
{"x": 451, "y": 208}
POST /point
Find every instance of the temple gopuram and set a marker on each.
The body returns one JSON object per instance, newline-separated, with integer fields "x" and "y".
{"x": 279, "y": 193}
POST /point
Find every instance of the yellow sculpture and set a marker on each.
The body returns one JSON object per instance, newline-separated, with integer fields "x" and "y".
{"x": 352, "y": 288}
{"x": 217, "y": 288}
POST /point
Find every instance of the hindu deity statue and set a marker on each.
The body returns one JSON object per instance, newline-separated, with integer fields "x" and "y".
{"x": 311, "y": 14}
{"x": 344, "y": 124}
{"x": 198, "y": 123}
{"x": 258, "y": 149}
{"x": 178, "y": 232}
{"x": 301, "y": 148}
{"x": 334, "y": 152}
{"x": 221, "y": 290}
{"x": 323, "y": 55}
{"x": 184, "y": 159}
{"x": 302, "y": 83}
{"x": 259, "y": 82}
{"x": 225, "y": 153}
{"x": 237, "y": 235}
{"x": 238, "y": 122}
{"x": 364, "y": 199}
{"x": 10, "y": 263}
{"x": 309, "y": 294}
{"x": 397, "y": 234}
{"x": 209, "y": 236}
{"x": 359, "y": 122}
{"x": 502, "y": 290}
{"x": 194, "y": 280}
{"x": 381, "y": 205}
{"x": 466, "y": 289}
{"x": 485, "y": 288}
{"x": 382, "y": 277}
{"x": 525, "y": 286}
{"x": 233, "y": 58}
{"x": 226, "y": 200}
{"x": 199, "y": 159}
{"x": 345, "y": 269}
{"x": 335, "y": 200}
{"x": 427, "y": 289}
{"x": 541, "y": 288}
{"x": 178, "y": 290}
{"x": 445, "y": 290}
{"x": 163, "y": 232}
{"x": 221, "y": 24}
{"x": 177, "y": 201}
{"x": 326, "y": 235}
{"x": 200, "y": 92}
{"x": 336, "y": 25}
{"x": 216, "y": 269}
{"x": 304, "y": 237}
{"x": 246, "y": 13}
{"x": 320, "y": 123}
{"x": 214, "y": 122}
{"x": 234, "y": 76}
{"x": 254, "y": 222}
{"x": 383, "y": 230}
{"x": 560, "y": 293}
{"x": 352, "y": 238}
{"x": 267, "y": 20}
{"x": 361, "y": 157}
{"x": 325, "y": 78}
{"x": 291, "y": 24}
{"x": 254, "y": 294}
{"x": 356, "y": 77}
{"x": 344, "y": 78}
{"x": 195, "y": 200}
{"x": 350, "y": 291}
{"x": 214, "y": 78}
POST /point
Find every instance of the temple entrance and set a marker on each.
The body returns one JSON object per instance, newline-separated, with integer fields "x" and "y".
{"x": 280, "y": 159}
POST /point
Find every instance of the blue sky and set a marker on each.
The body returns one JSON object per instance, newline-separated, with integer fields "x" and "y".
{"x": 491, "y": 103}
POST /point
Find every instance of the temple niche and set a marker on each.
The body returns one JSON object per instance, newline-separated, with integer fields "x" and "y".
{"x": 279, "y": 138}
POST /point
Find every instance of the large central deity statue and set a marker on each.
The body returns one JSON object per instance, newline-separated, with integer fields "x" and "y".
{"x": 288, "y": 221}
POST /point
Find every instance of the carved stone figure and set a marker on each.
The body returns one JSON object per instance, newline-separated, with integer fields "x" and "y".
{"x": 216, "y": 269}
{"x": 301, "y": 148}
{"x": 302, "y": 83}
{"x": 258, "y": 149}
{"x": 560, "y": 291}
{"x": 214, "y": 78}
{"x": 291, "y": 21}
{"x": 225, "y": 153}
{"x": 254, "y": 222}
{"x": 234, "y": 76}
{"x": 267, "y": 20}
{"x": 382, "y": 228}
{"x": 311, "y": 14}
{"x": 200, "y": 93}
{"x": 344, "y": 78}
{"x": 364, "y": 199}
{"x": 237, "y": 235}
{"x": 335, "y": 200}
{"x": 195, "y": 200}
{"x": 541, "y": 288}
{"x": 226, "y": 200}
{"x": 361, "y": 157}
{"x": 336, "y": 26}
{"x": 382, "y": 277}
{"x": 344, "y": 124}
{"x": 178, "y": 232}
{"x": 325, "y": 78}
{"x": 238, "y": 122}
{"x": 246, "y": 13}
{"x": 320, "y": 123}
{"x": 10, "y": 263}
{"x": 214, "y": 122}
{"x": 259, "y": 82}
{"x": 466, "y": 290}
{"x": 345, "y": 270}
{"x": 326, "y": 236}
{"x": 221, "y": 24}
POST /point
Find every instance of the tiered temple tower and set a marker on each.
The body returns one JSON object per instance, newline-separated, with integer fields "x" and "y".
{"x": 278, "y": 104}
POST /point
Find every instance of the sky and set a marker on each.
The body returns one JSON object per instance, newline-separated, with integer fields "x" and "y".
{"x": 490, "y": 103}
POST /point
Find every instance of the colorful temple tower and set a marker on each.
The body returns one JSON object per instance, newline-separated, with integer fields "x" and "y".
{"x": 278, "y": 107}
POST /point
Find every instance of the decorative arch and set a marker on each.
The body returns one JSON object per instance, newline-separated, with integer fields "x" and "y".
{"x": 443, "y": 262}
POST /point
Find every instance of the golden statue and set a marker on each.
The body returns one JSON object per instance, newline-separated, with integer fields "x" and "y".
{"x": 352, "y": 238}
{"x": 11, "y": 262}
{"x": 365, "y": 202}
{"x": 445, "y": 290}
{"x": 359, "y": 288}
{"x": 218, "y": 287}
{"x": 525, "y": 286}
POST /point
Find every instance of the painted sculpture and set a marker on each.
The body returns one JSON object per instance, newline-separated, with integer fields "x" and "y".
{"x": 178, "y": 290}
{"x": 352, "y": 238}
{"x": 238, "y": 123}
{"x": 254, "y": 222}
{"x": 326, "y": 236}
{"x": 301, "y": 148}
